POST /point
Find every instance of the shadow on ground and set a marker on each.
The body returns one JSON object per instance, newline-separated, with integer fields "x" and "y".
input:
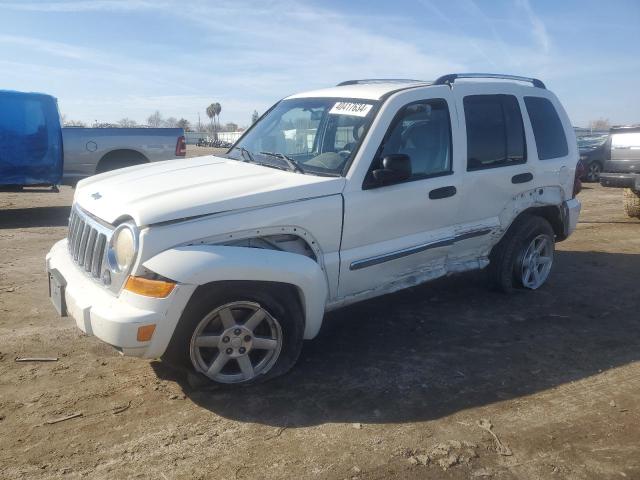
{"x": 433, "y": 350}
{"x": 34, "y": 217}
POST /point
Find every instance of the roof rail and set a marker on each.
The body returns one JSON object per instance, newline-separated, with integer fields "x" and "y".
{"x": 450, "y": 78}
{"x": 379, "y": 80}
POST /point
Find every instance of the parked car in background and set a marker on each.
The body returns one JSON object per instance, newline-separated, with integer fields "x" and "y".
{"x": 224, "y": 264}
{"x": 622, "y": 170}
{"x": 594, "y": 152}
{"x": 88, "y": 151}
{"x": 30, "y": 140}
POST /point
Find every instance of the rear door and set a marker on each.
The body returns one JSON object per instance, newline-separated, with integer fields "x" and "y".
{"x": 625, "y": 152}
{"x": 496, "y": 161}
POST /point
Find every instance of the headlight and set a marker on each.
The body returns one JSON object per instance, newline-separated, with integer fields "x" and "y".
{"x": 122, "y": 248}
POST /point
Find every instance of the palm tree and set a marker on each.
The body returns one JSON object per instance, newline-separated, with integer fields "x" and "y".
{"x": 218, "y": 109}
{"x": 211, "y": 113}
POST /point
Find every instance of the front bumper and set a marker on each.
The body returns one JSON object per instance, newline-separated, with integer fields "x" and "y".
{"x": 621, "y": 180}
{"x": 115, "y": 319}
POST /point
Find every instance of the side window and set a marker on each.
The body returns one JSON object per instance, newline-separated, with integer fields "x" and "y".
{"x": 422, "y": 130}
{"x": 548, "y": 131}
{"x": 495, "y": 133}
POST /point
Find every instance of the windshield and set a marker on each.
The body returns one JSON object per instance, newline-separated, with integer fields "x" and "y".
{"x": 591, "y": 142}
{"x": 308, "y": 135}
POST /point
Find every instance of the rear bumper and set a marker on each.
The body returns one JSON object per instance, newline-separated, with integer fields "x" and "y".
{"x": 621, "y": 180}
{"x": 572, "y": 212}
{"x": 116, "y": 319}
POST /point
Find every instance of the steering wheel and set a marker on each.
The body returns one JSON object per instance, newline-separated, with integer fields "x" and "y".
{"x": 344, "y": 154}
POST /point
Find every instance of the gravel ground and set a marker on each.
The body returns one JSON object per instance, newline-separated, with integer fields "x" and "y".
{"x": 445, "y": 380}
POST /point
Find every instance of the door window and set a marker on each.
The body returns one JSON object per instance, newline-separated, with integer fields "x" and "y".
{"x": 421, "y": 130}
{"x": 495, "y": 133}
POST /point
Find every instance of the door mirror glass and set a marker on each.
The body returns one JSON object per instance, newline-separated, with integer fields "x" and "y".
{"x": 395, "y": 168}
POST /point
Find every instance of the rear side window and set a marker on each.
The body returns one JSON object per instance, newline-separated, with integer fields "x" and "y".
{"x": 548, "y": 131}
{"x": 495, "y": 133}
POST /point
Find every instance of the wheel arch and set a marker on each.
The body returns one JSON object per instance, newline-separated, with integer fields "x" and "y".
{"x": 211, "y": 265}
{"x": 552, "y": 214}
{"x": 120, "y": 154}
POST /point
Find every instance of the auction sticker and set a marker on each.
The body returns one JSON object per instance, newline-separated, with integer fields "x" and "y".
{"x": 349, "y": 108}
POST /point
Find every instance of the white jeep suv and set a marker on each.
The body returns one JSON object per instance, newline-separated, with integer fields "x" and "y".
{"x": 225, "y": 264}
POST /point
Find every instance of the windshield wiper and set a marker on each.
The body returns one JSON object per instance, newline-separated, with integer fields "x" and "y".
{"x": 243, "y": 151}
{"x": 293, "y": 164}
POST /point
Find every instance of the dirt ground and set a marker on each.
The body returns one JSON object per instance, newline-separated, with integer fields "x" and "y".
{"x": 396, "y": 387}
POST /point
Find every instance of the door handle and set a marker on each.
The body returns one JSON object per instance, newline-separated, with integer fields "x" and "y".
{"x": 522, "y": 178}
{"x": 442, "y": 192}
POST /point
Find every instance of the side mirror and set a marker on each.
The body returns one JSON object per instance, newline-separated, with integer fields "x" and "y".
{"x": 395, "y": 168}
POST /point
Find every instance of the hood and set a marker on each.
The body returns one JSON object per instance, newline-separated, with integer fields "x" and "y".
{"x": 174, "y": 189}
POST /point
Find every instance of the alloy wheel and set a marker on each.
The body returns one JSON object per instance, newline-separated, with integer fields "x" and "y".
{"x": 236, "y": 342}
{"x": 537, "y": 261}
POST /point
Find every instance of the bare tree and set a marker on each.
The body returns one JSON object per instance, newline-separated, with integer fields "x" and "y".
{"x": 171, "y": 122}
{"x": 75, "y": 123}
{"x": 184, "y": 124}
{"x": 601, "y": 124}
{"x": 127, "y": 123}
{"x": 155, "y": 119}
{"x": 255, "y": 116}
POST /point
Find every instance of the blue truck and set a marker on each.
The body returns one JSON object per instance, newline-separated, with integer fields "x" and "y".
{"x": 31, "y": 152}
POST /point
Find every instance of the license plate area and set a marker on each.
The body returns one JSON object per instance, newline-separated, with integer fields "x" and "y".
{"x": 57, "y": 284}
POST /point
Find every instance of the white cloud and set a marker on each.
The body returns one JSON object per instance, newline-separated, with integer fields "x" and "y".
{"x": 538, "y": 28}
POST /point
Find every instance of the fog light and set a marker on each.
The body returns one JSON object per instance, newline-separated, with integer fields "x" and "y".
{"x": 145, "y": 333}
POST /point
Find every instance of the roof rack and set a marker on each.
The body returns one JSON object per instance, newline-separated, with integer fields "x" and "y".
{"x": 379, "y": 80}
{"x": 452, "y": 77}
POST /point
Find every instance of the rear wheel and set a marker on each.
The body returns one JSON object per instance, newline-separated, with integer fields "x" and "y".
{"x": 524, "y": 256}
{"x": 593, "y": 172}
{"x": 239, "y": 335}
{"x": 632, "y": 203}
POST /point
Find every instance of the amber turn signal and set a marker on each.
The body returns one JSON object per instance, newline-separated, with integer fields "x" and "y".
{"x": 145, "y": 333}
{"x": 149, "y": 288}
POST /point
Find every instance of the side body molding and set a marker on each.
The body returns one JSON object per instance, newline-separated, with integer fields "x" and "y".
{"x": 202, "y": 264}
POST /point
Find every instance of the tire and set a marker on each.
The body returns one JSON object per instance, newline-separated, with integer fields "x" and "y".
{"x": 593, "y": 172}
{"x": 512, "y": 257}
{"x": 284, "y": 324}
{"x": 632, "y": 203}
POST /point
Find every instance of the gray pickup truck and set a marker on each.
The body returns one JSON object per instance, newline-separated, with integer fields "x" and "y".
{"x": 88, "y": 151}
{"x": 622, "y": 170}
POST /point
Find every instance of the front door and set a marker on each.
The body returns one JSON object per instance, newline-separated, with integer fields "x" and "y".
{"x": 398, "y": 234}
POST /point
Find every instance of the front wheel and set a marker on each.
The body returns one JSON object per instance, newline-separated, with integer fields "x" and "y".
{"x": 239, "y": 335}
{"x": 524, "y": 256}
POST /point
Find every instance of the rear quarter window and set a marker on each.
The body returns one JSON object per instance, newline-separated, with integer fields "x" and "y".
{"x": 548, "y": 131}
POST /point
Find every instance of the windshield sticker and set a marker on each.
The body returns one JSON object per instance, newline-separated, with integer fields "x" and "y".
{"x": 348, "y": 108}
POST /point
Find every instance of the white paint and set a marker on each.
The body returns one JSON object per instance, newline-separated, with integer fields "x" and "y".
{"x": 189, "y": 209}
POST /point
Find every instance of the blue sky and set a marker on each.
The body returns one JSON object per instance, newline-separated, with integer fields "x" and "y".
{"x": 109, "y": 59}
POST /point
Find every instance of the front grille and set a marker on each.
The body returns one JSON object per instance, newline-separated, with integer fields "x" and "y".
{"x": 87, "y": 241}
